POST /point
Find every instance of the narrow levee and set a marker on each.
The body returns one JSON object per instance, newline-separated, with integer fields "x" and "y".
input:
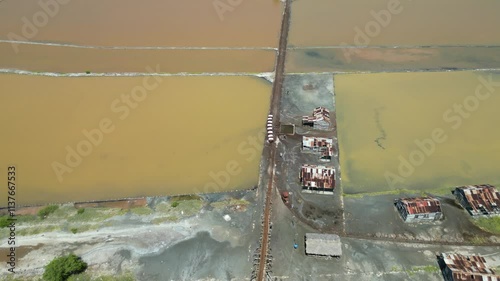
{"x": 264, "y": 258}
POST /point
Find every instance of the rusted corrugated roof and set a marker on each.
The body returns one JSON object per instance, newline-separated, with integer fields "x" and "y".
{"x": 482, "y": 199}
{"x": 319, "y": 113}
{"x": 313, "y": 142}
{"x": 468, "y": 268}
{"x": 421, "y": 205}
{"x": 317, "y": 176}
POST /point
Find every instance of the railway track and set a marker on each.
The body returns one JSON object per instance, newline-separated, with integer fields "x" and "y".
{"x": 264, "y": 258}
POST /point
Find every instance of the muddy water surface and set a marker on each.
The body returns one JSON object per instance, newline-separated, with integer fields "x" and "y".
{"x": 246, "y": 23}
{"x": 389, "y": 59}
{"x": 65, "y": 59}
{"x": 188, "y": 134}
{"x": 383, "y": 120}
{"x": 425, "y": 22}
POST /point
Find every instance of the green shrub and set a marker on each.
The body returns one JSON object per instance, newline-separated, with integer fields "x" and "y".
{"x": 4, "y": 221}
{"x": 43, "y": 213}
{"x": 175, "y": 204}
{"x": 87, "y": 72}
{"x": 60, "y": 269}
{"x": 74, "y": 230}
{"x": 80, "y": 211}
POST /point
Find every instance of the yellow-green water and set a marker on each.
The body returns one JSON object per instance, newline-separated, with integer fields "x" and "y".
{"x": 417, "y": 130}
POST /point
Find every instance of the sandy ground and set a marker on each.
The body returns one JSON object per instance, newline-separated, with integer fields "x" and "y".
{"x": 224, "y": 234}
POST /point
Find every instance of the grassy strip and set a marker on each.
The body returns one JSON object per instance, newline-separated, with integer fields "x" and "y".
{"x": 37, "y": 230}
{"x": 185, "y": 197}
{"x": 229, "y": 202}
{"x": 164, "y": 219}
{"x": 416, "y": 269}
{"x": 491, "y": 224}
{"x": 427, "y": 269}
{"x": 141, "y": 211}
{"x": 96, "y": 214}
{"x": 425, "y": 192}
{"x": 45, "y": 212}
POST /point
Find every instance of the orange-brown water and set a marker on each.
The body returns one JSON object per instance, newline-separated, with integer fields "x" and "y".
{"x": 187, "y": 134}
{"x": 148, "y": 23}
{"x": 65, "y": 59}
{"x": 424, "y": 22}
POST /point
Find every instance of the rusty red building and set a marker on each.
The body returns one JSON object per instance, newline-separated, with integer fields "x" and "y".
{"x": 320, "y": 119}
{"x": 479, "y": 200}
{"x": 457, "y": 267}
{"x": 419, "y": 209}
{"x": 317, "y": 178}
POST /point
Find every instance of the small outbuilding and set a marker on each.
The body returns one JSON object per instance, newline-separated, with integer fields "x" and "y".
{"x": 457, "y": 267}
{"x": 479, "y": 200}
{"x": 419, "y": 209}
{"x": 316, "y": 178}
{"x": 326, "y": 245}
{"x": 324, "y": 146}
{"x": 320, "y": 119}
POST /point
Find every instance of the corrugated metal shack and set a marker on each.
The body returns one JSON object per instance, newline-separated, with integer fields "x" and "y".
{"x": 457, "y": 267}
{"x": 322, "y": 145}
{"x": 320, "y": 119}
{"x": 419, "y": 209}
{"x": 317, "y": 178}
{"x": 479, "y": 200}
{"x": 327, "y": 245}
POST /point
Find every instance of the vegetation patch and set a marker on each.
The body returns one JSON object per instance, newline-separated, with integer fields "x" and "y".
{"x": 45, "y": 212}
{"x": 27, "y": 219}
{"x": 425, "y": 268}
{"x": 183, "y": 208}
{"x": 4, "y": 221}
{"x": 185, "y": 197}
{"x": 416, "y": 269}
{"x": 37, "y": 230}
{"x": 426, "y": 192}
{"x": 229, "y": 202}
{"x": 60, "y": 269}
{"x": 491, "y": 224}
{"x": 164, "y": 219}
{"x": 96, "y": 214}
{"x": 141, "y": 211}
